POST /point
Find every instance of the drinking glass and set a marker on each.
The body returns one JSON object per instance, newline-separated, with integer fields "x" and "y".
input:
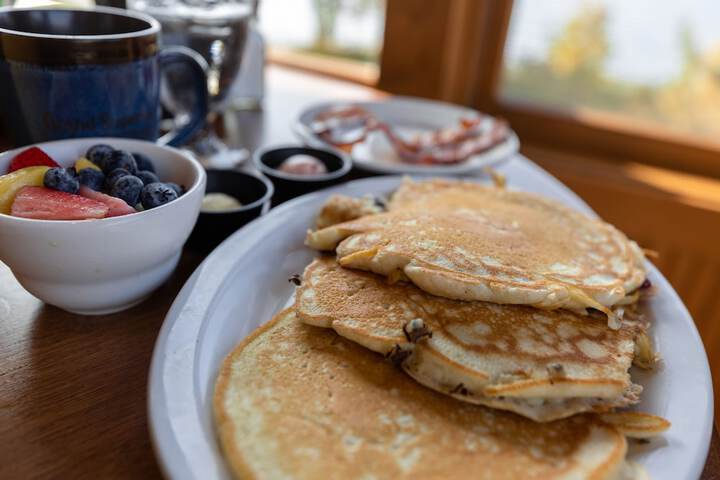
{"x": 217, "y": 30}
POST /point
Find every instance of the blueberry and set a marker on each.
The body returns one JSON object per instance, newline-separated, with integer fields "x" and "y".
{"x": 157, "y": 194}
{"x": 143, "y": 162}
{"x": 98, "y": 154}
{"x": 113, "y": 176}
{"x": 92, "y": 178}
{"x": 178, "y": 189}
{"x": 147, "y": 177}
{"x": 120, "y": 159}
{"x": 127, "y": 188}
{"x": 60, "y": 179}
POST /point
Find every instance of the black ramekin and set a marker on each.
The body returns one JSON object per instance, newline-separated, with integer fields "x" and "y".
{"x": 288, "y": 185}
{"x": 253, "y": 191}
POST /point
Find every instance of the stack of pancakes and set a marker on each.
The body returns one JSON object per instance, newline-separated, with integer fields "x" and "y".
{"x": 488, "y": 297}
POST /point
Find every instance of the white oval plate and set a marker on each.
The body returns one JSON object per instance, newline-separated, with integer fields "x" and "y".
{"x": 408, "y": 115}
{"x": 244, "y": 282}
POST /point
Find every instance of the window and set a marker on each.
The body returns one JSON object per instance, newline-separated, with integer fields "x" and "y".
{"x": 644, "y": 60}
{"x": 341, "y": 37}
{"x": 619, "y": 80}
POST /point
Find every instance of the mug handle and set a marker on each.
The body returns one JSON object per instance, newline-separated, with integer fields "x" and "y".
{"x": 198, "y": 66}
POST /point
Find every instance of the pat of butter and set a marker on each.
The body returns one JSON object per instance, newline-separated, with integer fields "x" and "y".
{"x": 303, "y": 165}
{"x": 219, "y": 202}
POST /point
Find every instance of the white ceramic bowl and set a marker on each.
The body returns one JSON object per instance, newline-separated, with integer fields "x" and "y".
{"x": 94, "y": 267}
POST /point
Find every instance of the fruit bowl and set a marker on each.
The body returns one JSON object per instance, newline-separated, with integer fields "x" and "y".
{"x": 94, "y": 267}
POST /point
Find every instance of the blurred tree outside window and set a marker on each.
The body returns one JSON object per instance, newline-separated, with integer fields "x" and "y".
{"x": 655, "y": 61}
{"x": 346, "y": 29}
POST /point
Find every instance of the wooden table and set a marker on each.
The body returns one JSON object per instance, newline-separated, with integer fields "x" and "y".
{"x": 73, "y": 389}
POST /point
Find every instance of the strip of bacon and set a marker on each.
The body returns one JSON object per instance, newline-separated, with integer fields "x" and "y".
{"x": 346, "y": 126}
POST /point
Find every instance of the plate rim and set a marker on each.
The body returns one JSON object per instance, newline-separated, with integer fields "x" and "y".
{"x": 160, "y": 443}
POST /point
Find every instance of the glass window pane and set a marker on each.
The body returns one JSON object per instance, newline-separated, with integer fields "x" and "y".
{"x": 348, "y": 29}
{"x": 645, "y": 59}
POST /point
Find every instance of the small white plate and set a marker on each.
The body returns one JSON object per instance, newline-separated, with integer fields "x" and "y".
{"x": 243, "y": 283}
{"x": 407, "y": 115}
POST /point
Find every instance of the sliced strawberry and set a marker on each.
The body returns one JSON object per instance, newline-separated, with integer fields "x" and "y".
{"x": 32, "y": 157}
{"x": 117, "y": 207}
{"x": 45, "y": 204}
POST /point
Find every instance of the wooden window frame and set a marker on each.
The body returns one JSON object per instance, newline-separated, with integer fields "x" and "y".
{"x": 453, "y": 50}
{"x": 364, "y": 73}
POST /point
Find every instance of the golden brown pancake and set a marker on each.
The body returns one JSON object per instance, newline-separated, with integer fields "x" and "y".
{"x": 472, "y": 242}
{"x": 541, "y": 364}
{"x": 341, "y": 208}
{"x": 295, "y": 401}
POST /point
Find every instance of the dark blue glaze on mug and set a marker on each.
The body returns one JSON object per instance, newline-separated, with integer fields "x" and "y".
{"x": 116, "y": 100}
{"x": 83, "y": 73}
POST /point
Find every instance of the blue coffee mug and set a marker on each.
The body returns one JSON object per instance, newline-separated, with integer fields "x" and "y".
{"x": 88, "y": 73}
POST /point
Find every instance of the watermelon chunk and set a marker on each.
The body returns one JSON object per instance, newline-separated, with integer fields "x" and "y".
{"x": 32, "y": 157}
{"x": 117, "y": 207}
{"x": 42, "y": 203}
{"x": 12, "y": 183}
